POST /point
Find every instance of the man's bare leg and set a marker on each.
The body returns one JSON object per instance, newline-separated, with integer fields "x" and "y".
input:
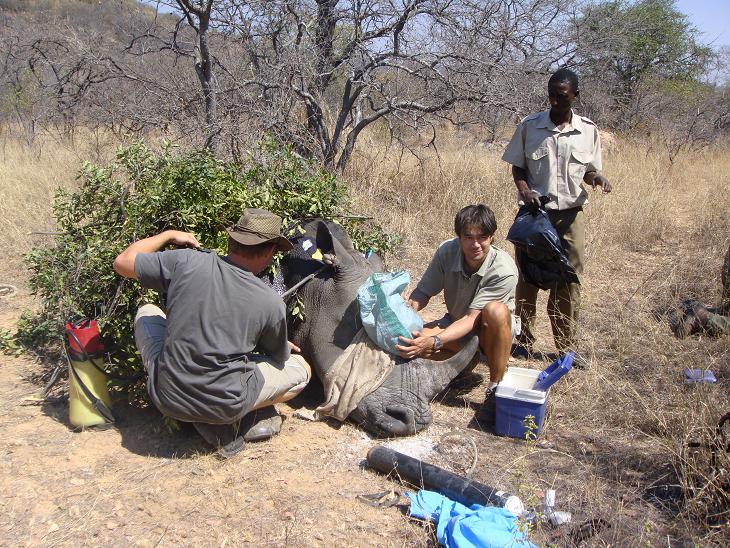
{"x": 495, "y": 338}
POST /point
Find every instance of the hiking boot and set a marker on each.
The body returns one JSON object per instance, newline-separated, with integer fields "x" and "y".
{"x": 215, "y": 434}
{"x": 261, "y": 424}
{"x": 690, "y": 320}
{"x": 488, "y": 411}
{"x": 222, "y": 436}
{"x": 522, "y": 352}
{"x": 232, "y": 448}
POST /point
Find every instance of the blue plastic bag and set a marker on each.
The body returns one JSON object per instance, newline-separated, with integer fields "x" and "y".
{"x": 538, "y": 251}
{"x": 384, "y": 314}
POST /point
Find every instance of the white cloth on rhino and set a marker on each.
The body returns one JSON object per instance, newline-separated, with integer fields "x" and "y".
{"x": 359, "y": 371}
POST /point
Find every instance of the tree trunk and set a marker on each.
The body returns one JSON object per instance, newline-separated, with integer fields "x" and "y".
{"x": 204, "y": 70}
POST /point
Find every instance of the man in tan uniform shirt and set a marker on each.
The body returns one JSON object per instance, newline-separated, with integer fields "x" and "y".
{"x": 552, "y": 154}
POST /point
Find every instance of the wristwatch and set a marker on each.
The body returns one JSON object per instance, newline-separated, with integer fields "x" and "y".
{"x": 437, "y": 342}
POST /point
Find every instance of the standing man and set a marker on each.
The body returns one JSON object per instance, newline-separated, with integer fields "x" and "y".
{"x": 478, "y": 281}
{"x": 221, "y": 350}
{"x": 552, "y": 154}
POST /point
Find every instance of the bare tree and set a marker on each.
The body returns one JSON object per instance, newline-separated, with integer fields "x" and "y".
{"x": 197, "y": 14}
{"x": 317, "y": 73}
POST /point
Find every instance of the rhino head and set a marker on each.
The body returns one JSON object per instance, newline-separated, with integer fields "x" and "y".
{"x": 401, "y": 404}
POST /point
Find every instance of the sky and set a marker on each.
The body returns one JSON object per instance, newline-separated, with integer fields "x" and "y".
{"x": 711, "y": 17}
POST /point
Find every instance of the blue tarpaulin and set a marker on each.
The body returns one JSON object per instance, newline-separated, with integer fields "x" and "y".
{"x": 458, "y": 526}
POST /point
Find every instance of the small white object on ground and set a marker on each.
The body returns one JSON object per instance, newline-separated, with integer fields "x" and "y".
{"x": 554, "y": 517}
{"x": 305, "y": 414}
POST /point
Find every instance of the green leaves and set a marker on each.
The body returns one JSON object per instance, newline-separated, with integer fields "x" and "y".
{"x": 143, "y": 193}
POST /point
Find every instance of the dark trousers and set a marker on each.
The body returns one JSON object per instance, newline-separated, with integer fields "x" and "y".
{"x": 563, "y": 303}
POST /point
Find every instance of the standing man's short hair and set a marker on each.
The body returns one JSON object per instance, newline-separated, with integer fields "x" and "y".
{"x": 478, "y": 215}
{"x": 565, "y": 75}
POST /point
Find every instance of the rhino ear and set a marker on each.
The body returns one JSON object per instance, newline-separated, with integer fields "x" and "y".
{"x": 330, "y": 244}
{"x": 324, "y": 238}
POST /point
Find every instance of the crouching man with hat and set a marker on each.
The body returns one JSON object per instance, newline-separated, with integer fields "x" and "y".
{"x": 219, "y": 356}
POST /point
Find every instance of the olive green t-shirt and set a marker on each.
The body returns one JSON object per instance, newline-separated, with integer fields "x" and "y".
{"x": 495, "y": 280}
{"x": 217, "y": 315}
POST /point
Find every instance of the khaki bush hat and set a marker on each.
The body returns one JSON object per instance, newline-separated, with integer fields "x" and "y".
{"x": 258, "y": 226}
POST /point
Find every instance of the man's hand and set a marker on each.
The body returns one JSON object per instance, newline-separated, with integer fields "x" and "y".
{"x": 418, "y": 300}
{"x": 530, "y": 198}
{"x": 596, "y": 179}
{"x": 419, "y": 345}
{"x": 182, "y": 239}
{"x": 294, "y": 348}
{"x": 124, "y": 263}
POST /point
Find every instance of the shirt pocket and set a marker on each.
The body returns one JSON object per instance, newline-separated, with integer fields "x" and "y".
{"x": 579, "y": 161}
{"x": 538, "y": 164}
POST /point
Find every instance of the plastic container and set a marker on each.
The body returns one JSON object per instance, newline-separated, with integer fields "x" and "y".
{"x": 554, "y": 372}
{"x": 524, "y": 392}
{"x": 88, "y": 396}
{"x": 82, "y": 411}
{"x": 516, "y": 400}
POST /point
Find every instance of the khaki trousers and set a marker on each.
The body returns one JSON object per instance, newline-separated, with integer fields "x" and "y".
{"x": 563, "y": 303}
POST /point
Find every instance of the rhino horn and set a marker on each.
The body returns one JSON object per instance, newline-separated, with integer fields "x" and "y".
{"x": 441, "y": 373}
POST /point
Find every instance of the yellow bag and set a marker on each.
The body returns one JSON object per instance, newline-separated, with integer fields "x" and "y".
{"x": 88, "y": 399}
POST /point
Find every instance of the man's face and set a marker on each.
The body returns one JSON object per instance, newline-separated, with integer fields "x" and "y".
{"x": 561, "y": 96}
{"x": 474, "y": 245}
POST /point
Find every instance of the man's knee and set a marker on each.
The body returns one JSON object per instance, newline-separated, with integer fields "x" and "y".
{"x": 150, "y": 326}
{"x": 305, "y": 369}
{"x": 496, "y": 315}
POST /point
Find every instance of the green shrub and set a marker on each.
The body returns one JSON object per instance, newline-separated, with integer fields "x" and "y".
{"x": 143, "y": 193}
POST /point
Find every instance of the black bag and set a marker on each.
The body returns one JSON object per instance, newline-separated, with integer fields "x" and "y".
{"x": 540, "y": 255}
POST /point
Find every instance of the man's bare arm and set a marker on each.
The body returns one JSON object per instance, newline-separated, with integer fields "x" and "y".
{"x": 418, "y": 300}
{"x": 422, "y": 344}
{"x": 124, "y": 263}
{"x": 529, "y": 196}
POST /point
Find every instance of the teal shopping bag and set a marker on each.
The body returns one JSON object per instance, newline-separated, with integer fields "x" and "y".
{"x": 384, "y": 314}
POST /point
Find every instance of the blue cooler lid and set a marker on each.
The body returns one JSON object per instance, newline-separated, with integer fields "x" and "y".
{"x": 554, "y": 372}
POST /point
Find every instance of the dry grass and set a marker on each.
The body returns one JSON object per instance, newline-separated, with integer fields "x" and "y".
{"x": 29, "y": 178}
{"x": 617, "y": 436}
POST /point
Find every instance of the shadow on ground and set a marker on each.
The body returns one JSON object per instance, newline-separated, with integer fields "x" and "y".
{"x": 143, "y": 430}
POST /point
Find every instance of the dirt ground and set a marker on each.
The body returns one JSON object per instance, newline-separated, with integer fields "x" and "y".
{"x": 139, "y": 484}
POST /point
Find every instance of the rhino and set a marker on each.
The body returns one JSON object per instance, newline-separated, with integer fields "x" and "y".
{"x": 401, "y": 404}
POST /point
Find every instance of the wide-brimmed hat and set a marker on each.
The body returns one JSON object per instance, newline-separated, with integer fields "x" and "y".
{"x": 258, "y": 226}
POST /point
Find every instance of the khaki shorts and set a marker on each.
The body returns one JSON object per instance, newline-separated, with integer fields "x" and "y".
{"x": 446, "y": 321}
{"x": 150, "y": 326}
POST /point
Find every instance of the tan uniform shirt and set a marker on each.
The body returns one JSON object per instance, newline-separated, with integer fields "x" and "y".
{"x": 556, "y": 160}
{"x": 495, "y": 280}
